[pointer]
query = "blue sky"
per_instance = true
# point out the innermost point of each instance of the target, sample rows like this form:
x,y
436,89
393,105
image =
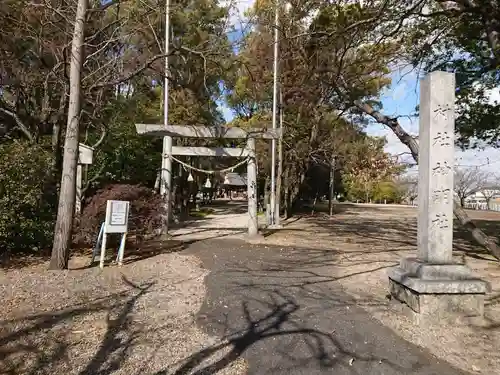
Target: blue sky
x,y
400,99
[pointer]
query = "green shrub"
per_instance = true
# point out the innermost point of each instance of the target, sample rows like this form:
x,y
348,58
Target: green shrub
x,y
27,208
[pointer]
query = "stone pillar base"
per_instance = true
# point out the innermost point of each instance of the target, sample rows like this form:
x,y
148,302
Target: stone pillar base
x,y
438,290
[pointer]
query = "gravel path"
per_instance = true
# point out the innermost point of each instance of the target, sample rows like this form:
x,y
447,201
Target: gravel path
x,y
276,310
138,319
361,242
229,219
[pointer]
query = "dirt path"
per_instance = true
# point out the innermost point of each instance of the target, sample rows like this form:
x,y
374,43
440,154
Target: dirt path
x,y
228,219
283,309
138,319
369,240
309,300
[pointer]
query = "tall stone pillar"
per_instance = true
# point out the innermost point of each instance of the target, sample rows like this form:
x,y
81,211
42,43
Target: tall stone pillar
x,y
432,283
435,168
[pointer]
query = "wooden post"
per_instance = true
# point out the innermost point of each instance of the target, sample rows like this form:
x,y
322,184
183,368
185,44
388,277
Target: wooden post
x,y
96,247
166,183
79,177
252,190
121,250
103,249
331,196
85,158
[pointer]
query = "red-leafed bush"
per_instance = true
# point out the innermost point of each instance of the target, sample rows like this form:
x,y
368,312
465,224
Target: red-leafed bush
x,y
144,215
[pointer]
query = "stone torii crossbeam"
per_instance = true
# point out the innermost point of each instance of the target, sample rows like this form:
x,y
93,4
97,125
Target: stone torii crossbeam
x,y
221,132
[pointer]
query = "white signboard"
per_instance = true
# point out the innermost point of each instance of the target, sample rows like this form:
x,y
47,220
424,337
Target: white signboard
x,y
116,217
85,154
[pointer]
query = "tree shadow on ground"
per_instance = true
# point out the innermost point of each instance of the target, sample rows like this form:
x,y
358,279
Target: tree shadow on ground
x,y
302,268
134,252
278,305
152,248
218,210
25,337
354,209
147,249
21,260
227,206
320,208
323,349
469,245
283,309
402,231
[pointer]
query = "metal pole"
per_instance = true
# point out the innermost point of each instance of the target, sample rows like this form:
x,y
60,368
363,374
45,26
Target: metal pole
x,y
275,102
166,168
280,164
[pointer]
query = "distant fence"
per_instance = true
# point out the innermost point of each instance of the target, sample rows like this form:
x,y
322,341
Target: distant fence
x,y
483,206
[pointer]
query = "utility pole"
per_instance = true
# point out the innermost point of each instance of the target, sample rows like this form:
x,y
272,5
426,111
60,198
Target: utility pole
x,y
275,104
280,164
166,161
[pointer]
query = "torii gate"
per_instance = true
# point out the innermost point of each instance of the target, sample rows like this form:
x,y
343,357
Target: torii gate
x,y
216,132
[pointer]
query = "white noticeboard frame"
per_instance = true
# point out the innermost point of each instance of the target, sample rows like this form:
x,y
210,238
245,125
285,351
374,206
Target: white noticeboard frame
x,y
116,222
116,217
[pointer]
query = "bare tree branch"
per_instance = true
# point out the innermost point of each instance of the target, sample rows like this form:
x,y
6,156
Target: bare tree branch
x,y
24,129
131,75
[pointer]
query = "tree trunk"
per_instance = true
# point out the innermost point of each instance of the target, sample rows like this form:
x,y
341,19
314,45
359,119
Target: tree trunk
x,y
56,152
266,194
280,160
175,201
278,178
459,212
294,196
62,232
314,202
488,200
477,233
157,182
286,190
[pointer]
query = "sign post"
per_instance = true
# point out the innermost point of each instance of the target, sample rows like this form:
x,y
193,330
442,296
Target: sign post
x,y
116,222
85,158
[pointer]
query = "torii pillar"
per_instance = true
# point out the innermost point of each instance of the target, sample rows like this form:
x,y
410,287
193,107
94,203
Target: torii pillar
x,y
226,133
